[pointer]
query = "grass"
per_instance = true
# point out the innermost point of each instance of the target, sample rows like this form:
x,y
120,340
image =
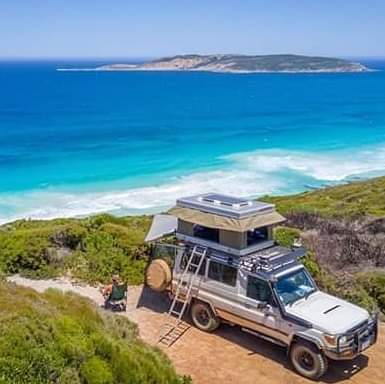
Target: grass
x,y
62,338
362,198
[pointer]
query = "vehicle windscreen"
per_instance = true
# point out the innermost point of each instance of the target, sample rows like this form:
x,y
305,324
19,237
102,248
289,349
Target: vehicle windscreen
x,y
294,286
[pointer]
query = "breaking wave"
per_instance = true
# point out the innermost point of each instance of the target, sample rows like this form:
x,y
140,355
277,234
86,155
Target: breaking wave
x,y
246,174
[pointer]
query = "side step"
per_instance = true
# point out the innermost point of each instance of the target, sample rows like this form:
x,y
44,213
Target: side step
x,y
264,337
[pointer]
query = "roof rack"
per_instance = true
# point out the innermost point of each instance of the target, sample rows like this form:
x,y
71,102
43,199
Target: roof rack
x,y
265,263
224,205
269,260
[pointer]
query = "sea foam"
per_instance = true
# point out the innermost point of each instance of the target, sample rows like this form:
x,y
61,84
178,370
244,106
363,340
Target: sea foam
x,y
246,174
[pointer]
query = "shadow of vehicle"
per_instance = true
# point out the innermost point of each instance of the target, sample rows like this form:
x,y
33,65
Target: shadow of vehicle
x,y
156,301
338,370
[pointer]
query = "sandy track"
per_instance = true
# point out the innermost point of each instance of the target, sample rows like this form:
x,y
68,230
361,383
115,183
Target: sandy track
x,y
228,355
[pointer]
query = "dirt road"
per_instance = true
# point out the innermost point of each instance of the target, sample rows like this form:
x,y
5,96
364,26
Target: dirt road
x,y
228,355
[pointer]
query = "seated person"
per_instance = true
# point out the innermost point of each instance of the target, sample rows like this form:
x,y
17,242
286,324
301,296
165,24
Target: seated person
x,y
115,294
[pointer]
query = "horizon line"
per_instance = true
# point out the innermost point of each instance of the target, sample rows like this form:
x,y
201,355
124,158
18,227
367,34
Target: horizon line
x,y
141,58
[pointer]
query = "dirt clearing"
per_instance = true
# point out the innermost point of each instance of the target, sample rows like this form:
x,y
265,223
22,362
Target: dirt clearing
x,y
227,355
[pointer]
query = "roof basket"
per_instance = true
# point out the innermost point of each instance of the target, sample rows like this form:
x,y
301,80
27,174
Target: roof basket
x,y
277,258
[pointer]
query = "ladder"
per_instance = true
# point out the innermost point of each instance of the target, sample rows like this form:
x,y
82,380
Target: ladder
x,y
174,327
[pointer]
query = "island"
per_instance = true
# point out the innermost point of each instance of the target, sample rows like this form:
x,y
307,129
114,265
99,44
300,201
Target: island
x,y
227,63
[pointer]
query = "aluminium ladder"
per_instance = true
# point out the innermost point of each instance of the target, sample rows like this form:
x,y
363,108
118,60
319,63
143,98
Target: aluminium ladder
x,y
174,327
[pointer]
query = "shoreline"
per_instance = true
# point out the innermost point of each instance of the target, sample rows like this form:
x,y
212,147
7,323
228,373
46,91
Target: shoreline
x,y
132,212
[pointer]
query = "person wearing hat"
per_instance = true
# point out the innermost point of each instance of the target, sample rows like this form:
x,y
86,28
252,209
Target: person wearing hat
x,y
108,290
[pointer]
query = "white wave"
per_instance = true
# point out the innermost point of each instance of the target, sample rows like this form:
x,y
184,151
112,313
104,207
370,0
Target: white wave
x,y
46,205
245,174
325,166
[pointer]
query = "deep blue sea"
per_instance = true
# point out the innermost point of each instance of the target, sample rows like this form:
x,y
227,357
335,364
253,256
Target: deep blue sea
x,y
76,143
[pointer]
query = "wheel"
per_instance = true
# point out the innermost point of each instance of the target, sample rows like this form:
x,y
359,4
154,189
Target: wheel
x,y
203,317
308,360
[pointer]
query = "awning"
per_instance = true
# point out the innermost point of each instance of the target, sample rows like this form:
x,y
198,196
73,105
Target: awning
x,y
221,222
161,225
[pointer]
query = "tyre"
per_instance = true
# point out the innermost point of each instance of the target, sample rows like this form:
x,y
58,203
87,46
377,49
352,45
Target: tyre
x,y
308,360
158,275
203,317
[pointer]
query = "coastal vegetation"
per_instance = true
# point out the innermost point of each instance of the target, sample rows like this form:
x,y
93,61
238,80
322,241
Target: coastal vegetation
x,y
63,338
353,200
343,227
90,249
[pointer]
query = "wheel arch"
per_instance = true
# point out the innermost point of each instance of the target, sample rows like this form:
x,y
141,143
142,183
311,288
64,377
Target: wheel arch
x,y
298,337
199,300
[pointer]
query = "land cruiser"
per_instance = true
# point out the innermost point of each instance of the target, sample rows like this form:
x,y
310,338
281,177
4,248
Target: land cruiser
x,y
227,268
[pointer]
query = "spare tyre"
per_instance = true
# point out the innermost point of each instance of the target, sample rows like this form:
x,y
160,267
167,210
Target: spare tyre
x,y
158,275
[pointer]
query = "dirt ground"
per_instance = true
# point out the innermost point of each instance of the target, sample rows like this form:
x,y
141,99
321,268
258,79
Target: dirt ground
x,y
227,355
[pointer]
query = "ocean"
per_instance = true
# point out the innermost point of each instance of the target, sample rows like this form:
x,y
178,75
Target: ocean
x,y
78,143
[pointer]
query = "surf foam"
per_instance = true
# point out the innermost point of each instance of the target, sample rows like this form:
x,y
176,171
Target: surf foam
x,y
244,174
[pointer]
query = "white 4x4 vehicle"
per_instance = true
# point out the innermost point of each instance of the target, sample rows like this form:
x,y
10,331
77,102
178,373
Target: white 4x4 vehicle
x,y
228,269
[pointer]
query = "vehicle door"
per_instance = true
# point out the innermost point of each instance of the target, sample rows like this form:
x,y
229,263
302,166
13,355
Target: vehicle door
x,y
259,308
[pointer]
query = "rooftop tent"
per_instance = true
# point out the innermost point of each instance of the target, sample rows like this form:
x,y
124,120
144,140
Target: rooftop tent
x,y
211,220
161,225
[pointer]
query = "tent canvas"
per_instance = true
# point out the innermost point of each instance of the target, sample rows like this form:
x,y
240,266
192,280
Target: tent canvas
x,y
227,223
162,225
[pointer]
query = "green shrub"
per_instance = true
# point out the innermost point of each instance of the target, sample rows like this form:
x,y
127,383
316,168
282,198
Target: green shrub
x,y
63,338
91,249
96,371
285,236
24,250
374,285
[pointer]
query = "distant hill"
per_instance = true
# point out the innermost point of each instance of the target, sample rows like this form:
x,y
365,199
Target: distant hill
x,y
243,64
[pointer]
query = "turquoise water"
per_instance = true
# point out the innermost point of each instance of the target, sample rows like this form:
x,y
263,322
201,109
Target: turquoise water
x,y
75,143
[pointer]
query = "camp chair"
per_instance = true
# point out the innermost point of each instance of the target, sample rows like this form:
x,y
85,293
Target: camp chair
x,y
117,301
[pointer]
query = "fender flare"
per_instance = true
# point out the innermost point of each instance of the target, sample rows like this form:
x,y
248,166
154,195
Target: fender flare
x,y
301,336
195,299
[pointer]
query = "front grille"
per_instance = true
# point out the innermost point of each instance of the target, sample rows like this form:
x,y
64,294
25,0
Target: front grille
x,y
356,336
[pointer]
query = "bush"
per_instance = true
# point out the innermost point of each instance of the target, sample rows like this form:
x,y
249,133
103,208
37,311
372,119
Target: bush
x,y
62,338
92,249
285,236
374,285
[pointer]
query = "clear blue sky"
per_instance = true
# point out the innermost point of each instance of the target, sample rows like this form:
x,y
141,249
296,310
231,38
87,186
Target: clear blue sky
x,y
148,28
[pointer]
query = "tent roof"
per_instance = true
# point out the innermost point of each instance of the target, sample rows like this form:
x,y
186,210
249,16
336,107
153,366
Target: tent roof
x,y
161,225
227,223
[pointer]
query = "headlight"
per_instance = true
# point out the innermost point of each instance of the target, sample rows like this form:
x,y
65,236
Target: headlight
x,y
331,340
343,340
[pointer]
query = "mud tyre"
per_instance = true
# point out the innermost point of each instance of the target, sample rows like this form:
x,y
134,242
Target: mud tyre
x,y
203,317
158,275
308,360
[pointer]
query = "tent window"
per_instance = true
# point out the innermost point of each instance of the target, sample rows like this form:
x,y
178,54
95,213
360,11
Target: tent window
x,y
257,235
206,233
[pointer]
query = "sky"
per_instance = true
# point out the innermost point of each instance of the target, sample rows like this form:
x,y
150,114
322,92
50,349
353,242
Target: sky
x,y
153,28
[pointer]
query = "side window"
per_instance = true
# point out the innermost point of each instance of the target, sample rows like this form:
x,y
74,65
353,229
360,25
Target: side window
x,y
223,273
259,290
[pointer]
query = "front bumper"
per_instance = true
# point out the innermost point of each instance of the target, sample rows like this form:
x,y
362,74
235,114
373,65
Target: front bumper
x,y
356,341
